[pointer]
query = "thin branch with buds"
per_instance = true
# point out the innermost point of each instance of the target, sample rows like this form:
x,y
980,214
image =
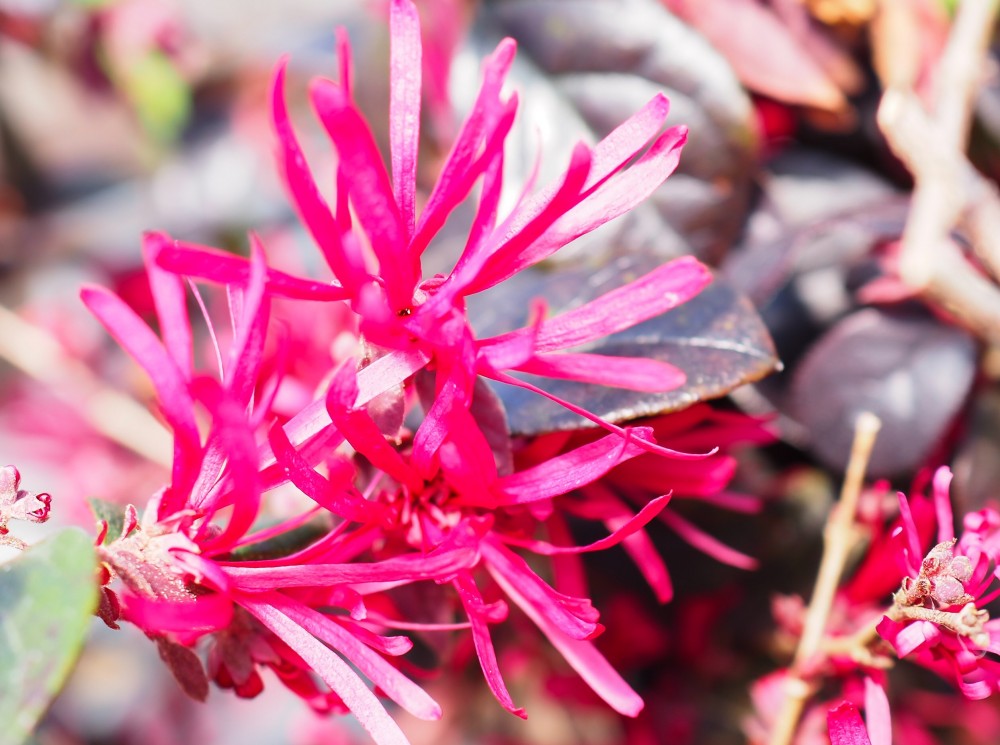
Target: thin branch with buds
x,y
839,538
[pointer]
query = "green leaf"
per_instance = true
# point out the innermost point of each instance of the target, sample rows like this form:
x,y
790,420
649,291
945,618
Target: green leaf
x,y
47,598
111,513
160,95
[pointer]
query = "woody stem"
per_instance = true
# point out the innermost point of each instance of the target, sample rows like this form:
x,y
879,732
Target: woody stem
x,y
839,538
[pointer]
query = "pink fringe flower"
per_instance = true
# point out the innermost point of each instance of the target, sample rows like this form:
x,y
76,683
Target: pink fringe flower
x,y
455,500
411,322
177,563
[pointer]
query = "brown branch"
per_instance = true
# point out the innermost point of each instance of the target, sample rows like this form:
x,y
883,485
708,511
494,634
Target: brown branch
x,y
839,537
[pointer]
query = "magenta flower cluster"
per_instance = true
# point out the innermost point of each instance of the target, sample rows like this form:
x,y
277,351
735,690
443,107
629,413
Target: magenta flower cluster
x,y
399,443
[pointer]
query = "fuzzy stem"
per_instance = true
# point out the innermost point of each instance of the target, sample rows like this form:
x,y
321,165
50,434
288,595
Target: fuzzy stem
x,y
839,537
969,621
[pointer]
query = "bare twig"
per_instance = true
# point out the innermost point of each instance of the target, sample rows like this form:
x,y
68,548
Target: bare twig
x,y
957,191
859,646
839,538
948,189
960,70
970,621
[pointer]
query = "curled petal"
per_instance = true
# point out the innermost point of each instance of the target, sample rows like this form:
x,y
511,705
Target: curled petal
x,y
563,473
213,265
580,654
619,534
402,568
474,606
846,727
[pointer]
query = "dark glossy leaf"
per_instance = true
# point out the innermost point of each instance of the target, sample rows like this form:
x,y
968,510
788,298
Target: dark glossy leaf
x,y
47,598
977,461
716,338
604,61
913,371
285,543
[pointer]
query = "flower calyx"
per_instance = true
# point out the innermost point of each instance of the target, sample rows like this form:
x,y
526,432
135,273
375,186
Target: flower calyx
x,y
941,580
19,504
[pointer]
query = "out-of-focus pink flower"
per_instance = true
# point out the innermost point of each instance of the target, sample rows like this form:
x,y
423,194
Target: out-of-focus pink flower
x,y
846,727
611,498
824,722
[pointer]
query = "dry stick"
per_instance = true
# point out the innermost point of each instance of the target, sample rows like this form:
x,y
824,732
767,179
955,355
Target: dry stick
x,y
857,646
960,70
839,537
113,414
947,187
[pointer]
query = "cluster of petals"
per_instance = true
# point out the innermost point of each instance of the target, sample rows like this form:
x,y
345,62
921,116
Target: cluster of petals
x,y
450,497
373,240
639,481
179,565
955,582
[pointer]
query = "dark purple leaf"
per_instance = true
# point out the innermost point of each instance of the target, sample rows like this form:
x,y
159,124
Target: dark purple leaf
x,y
977,461
717,338
779,54
816,211
186,667
911,370
809,243
604,63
